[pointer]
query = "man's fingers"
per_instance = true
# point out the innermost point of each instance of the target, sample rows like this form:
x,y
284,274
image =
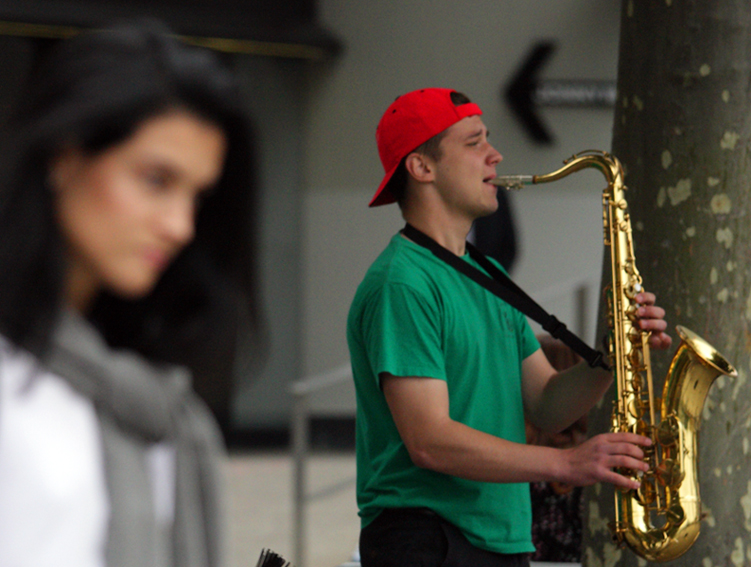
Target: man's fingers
x,y
622,461
651,313
625,437
620,480
660,340
645,298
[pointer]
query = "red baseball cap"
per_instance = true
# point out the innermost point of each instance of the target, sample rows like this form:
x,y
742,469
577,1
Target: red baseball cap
x,y
411,120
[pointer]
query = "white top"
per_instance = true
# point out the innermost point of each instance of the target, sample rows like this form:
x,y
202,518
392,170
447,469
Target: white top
x,y
54,507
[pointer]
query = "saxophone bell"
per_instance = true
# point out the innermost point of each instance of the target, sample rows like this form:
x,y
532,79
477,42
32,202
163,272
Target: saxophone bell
x,y
665,525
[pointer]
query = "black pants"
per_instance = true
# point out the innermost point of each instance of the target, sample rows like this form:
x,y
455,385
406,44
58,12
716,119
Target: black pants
x,y
418,537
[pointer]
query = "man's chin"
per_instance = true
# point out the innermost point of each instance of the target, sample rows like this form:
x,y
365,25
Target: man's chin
x,y
489,210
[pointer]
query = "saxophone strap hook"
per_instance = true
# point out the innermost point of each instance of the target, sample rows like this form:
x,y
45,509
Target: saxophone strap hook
x,y
558,330
599,361
555,327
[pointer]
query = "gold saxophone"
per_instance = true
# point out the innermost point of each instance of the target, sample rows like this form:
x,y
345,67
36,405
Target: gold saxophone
x,y
660,520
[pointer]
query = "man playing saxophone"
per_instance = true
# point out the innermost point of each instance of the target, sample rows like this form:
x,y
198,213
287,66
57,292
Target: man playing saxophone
x,y
445,372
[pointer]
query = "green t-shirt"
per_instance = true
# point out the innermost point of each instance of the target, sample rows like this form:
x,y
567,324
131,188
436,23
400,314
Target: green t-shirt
x,y
414,315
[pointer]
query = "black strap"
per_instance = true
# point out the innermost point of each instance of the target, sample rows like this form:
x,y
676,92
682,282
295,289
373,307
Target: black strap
x,y
501,285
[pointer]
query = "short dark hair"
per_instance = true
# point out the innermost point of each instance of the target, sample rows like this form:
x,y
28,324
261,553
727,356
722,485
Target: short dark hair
x,y
93,91
432,148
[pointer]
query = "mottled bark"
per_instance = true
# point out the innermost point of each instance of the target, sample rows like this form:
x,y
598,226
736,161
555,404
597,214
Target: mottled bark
x,y
683,132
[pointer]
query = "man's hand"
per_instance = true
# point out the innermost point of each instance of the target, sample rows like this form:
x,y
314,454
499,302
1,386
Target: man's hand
x,y
652,318
594,460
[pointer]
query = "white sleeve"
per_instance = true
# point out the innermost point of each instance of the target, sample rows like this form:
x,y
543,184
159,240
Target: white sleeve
x,y
53,499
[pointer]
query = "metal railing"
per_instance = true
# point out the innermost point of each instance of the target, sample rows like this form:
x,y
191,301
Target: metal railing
x,y
302,392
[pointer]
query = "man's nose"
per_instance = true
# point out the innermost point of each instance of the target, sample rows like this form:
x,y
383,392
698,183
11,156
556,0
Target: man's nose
x,y
495,156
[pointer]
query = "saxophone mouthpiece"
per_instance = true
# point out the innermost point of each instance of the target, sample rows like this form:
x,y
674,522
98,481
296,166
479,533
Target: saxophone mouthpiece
x,y
513,182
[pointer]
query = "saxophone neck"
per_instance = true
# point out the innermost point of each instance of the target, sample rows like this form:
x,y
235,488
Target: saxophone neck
x,y
606,163
513,182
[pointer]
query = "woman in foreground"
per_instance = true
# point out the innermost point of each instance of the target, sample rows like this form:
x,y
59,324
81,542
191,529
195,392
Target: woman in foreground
x,y
124,263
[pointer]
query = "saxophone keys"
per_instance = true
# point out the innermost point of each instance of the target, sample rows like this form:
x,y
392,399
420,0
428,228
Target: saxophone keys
x,y
644,429
634,285
636,359
669,473
634,335
635,409
668,432
675,514
618,534
636,383
631,313
646,494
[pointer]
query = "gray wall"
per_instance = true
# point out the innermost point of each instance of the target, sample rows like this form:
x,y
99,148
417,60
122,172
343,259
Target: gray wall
x,y
275,105
391,48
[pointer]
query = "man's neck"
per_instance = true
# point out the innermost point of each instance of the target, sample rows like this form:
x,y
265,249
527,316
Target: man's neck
x,y
449,232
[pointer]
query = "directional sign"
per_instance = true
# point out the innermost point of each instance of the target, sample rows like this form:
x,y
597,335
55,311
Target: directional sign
x,y
525,93
573,93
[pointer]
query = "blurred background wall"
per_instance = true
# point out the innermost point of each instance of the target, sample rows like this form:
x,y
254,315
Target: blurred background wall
x,y
315,113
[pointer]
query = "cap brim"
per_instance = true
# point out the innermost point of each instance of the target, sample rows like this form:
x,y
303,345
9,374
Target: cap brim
x,y
383,195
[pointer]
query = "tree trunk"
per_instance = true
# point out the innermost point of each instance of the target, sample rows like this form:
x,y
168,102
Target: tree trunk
x,y
682,130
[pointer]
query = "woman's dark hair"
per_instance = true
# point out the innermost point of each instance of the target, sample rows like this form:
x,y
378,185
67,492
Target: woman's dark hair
x,y
93,91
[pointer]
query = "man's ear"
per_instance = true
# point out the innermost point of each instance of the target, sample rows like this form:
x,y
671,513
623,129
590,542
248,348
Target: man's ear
x,y
420,167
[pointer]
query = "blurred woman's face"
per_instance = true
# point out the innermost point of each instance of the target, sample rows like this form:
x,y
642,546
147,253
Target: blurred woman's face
x,y
127,211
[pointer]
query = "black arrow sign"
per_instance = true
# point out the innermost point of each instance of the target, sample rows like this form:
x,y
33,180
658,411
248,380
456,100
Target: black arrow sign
x,y
526,92
519,93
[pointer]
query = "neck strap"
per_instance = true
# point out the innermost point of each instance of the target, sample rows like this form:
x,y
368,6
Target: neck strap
x,y
498,283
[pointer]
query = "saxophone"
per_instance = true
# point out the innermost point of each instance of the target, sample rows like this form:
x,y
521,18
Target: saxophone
x,y
660,520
